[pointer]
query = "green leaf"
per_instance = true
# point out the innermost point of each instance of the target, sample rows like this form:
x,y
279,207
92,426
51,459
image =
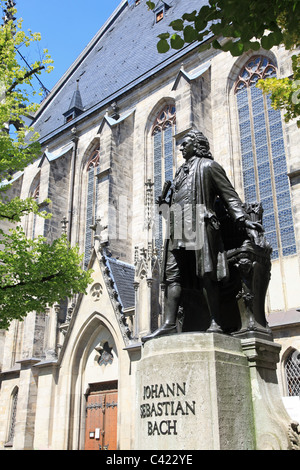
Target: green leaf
x,y
236,33
278,37
204,47
189,34
164,36
267,42
163,46
200,23
237,49
216,44
151,5
177,25
176,42
204,12
189,16
227,31
216,28
255,46
227,46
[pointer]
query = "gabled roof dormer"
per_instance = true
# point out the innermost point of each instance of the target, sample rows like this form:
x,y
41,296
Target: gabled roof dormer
x,y
76,106
160,10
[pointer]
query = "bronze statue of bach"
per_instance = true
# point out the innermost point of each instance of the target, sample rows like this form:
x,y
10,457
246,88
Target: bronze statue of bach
x,y
194,248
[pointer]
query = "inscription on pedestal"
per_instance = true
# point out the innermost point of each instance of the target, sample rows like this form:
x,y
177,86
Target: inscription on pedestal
x,y
194,393
161,406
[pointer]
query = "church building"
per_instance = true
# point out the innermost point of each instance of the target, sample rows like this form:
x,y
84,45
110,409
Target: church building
x,y
110,131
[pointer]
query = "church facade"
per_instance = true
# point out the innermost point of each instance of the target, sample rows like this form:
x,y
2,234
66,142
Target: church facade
x,y
110,132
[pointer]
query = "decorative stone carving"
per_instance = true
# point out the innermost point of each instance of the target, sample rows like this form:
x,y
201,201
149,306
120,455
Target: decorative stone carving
x,y
146,285
99,240
149,204
113,294
253,263
105,356
294,435
64,223
70,312
96,291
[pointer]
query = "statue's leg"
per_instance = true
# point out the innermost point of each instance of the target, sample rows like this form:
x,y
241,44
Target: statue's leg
x,y
172,299
212,296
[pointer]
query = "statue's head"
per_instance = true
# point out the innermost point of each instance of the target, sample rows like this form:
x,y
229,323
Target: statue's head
x,y
201,144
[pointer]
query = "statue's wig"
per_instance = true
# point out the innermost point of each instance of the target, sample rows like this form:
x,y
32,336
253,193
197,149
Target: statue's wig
x,y
201,144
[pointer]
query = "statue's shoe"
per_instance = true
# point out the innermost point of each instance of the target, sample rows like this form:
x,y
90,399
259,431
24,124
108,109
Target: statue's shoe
x,y
166,329
214,328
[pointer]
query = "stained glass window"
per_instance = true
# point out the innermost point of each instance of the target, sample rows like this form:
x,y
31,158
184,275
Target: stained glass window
x,y
163,130
91,203
263,156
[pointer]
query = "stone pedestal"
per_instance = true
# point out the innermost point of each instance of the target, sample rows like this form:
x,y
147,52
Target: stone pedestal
x,y
193,392
274,429
206,391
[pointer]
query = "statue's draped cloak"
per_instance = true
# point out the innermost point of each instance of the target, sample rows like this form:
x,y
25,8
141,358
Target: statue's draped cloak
x,y
208,181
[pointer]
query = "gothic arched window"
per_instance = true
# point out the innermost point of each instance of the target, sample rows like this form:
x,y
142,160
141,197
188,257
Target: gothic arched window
x,y
92,170
263,156
35,196
292,373
163,130
12,417
32,219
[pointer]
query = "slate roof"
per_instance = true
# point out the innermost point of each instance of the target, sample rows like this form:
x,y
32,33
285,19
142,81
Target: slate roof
x,y
121,55
123,276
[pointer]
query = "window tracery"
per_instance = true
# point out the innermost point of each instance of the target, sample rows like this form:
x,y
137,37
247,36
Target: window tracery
x,y
256,69
12,419
163,130
92,170
32,218
94,160
166,117
35,196
263,155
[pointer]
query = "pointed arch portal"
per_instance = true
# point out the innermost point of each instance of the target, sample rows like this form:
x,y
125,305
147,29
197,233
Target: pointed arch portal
x,y
94,387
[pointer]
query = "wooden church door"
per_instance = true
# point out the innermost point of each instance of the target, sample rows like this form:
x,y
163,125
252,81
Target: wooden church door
x,y
101,417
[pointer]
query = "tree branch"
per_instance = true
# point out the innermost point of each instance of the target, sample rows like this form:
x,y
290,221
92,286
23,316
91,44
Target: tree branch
x,y
11,217
31,281
27,75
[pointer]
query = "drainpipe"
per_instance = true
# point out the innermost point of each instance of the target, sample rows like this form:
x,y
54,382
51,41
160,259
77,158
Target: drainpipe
x,y
75,139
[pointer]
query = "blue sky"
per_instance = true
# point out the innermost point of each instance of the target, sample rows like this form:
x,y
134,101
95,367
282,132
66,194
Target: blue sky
x,y
66,26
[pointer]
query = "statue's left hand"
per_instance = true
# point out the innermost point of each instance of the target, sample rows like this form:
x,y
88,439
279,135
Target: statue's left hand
x,y
253,226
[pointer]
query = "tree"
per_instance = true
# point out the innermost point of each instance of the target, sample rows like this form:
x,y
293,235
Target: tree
x,y
33,272
241,25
